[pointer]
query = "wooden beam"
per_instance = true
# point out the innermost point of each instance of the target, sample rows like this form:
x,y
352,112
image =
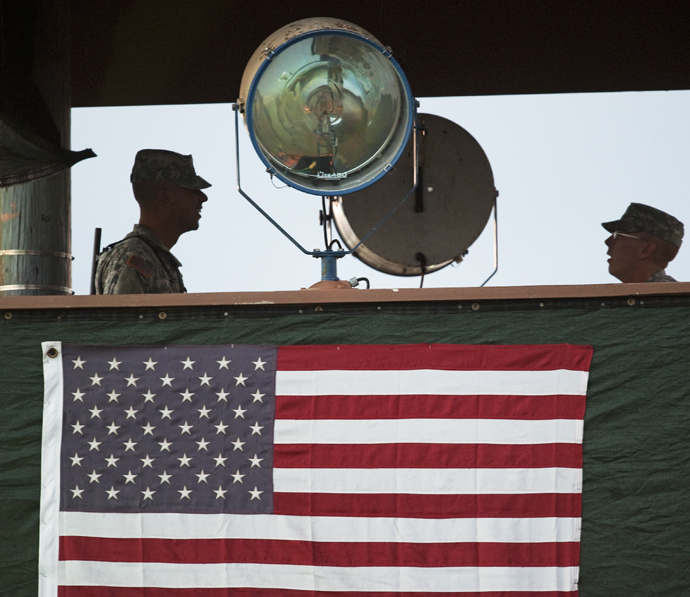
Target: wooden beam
x,y
353,296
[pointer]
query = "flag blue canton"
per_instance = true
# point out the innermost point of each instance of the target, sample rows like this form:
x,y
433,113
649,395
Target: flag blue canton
x,y
168,429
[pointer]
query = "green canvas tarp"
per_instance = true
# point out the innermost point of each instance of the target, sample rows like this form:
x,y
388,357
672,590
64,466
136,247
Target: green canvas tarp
x,y
636,486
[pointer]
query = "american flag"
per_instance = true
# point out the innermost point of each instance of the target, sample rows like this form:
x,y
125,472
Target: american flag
x,y
312,470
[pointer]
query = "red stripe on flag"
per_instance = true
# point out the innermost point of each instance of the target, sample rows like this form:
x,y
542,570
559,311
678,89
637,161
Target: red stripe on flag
x,y
242,592
430,407
318,553
434,356
427,456
531,505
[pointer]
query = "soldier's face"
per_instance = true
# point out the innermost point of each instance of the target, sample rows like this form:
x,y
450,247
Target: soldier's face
x,y
625,254
186,205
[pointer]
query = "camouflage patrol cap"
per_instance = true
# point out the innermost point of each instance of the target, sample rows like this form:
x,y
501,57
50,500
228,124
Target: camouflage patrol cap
x,y
643,218
161,164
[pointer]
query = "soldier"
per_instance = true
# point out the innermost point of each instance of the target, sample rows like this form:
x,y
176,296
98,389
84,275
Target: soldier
x,y
642,244
168,191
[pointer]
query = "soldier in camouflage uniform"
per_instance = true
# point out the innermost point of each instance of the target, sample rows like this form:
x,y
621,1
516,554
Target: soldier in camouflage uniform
x,y
170,199
642,244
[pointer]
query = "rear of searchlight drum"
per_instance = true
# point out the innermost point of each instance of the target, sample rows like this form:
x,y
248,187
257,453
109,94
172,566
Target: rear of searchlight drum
x,y
451,207
328,109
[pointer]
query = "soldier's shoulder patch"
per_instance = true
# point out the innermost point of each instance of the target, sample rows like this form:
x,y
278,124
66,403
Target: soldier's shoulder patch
x,y
137,263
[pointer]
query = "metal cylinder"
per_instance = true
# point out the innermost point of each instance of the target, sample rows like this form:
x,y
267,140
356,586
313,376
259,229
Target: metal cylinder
x,y
35,236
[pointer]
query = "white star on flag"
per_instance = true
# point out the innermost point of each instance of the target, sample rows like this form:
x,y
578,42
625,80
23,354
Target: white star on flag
x,y
148,396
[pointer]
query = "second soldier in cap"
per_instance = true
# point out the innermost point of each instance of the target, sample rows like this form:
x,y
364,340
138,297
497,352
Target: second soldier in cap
x,y
642,243
168,191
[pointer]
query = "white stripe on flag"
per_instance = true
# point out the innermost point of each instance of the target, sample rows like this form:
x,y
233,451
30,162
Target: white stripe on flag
x,y
431,381
428,481
317,578
428,431
50,464
326,528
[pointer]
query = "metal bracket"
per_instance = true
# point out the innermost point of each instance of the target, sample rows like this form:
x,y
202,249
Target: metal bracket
x,y
495,240
9,287
35,252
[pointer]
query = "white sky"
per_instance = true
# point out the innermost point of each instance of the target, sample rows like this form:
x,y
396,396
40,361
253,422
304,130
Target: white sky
x,y
562,164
